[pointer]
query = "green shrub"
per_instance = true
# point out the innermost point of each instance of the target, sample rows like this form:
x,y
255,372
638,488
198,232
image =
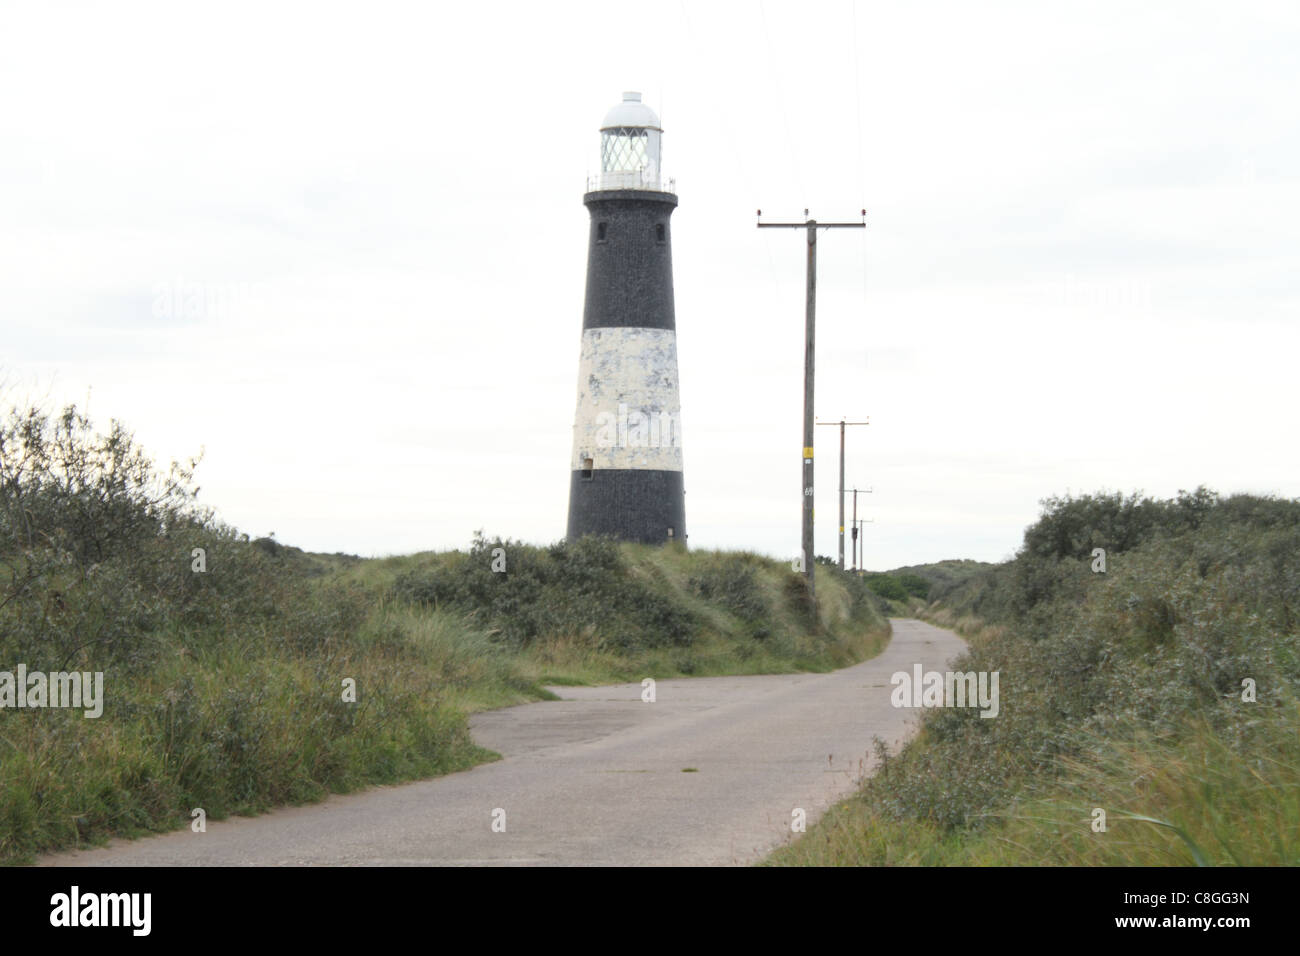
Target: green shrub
x,y
221,688
887,586
1199,594
569,587
732,581
914,585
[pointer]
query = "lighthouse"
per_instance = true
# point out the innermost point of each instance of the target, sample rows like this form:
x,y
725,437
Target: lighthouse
x,y
627,446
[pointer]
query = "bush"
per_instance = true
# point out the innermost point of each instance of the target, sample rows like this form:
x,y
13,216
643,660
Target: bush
x,y
1199,593
915,585
731,581
221,689
569,587
887,586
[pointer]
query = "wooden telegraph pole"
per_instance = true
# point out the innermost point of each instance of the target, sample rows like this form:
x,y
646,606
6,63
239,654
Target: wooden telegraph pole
x,y
810,327
856,491
862,545
842,423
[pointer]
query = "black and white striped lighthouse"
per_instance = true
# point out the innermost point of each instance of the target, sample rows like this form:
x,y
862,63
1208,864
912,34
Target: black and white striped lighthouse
x,y
627,448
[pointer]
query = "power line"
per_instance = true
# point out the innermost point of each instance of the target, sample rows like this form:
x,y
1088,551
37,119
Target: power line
x,y
785,112
857,89
729,131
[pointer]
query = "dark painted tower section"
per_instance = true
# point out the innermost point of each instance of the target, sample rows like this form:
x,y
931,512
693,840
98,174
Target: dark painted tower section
x,y
627,458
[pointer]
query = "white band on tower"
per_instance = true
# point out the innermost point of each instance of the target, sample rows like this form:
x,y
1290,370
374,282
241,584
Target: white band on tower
x,y
629,412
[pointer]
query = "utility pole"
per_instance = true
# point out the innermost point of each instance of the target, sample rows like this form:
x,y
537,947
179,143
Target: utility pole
x,y
810,327
865,491
860,523
842,423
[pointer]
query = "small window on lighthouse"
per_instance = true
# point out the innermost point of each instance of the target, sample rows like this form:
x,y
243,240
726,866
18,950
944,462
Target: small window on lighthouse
x,y
600,231
659,232
587,465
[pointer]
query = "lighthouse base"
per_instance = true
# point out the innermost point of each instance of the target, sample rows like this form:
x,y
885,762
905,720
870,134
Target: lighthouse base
x,y
641,505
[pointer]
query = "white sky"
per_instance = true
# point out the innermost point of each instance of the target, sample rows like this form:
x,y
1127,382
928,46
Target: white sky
x,y
1080,269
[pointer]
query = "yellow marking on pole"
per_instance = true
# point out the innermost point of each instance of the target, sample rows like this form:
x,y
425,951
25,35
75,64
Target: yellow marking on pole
x,y
807,453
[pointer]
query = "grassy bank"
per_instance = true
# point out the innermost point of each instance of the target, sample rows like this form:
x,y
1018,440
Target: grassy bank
x,y
1125,691
596,611
243,674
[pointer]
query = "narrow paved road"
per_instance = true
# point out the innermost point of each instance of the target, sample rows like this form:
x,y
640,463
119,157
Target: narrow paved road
x,y
707,774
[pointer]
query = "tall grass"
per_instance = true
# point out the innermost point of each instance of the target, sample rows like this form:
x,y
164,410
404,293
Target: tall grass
x,y
1186,802
1121,692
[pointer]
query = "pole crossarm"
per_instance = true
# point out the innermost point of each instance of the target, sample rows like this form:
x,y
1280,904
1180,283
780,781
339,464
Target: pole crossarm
x,y
813,223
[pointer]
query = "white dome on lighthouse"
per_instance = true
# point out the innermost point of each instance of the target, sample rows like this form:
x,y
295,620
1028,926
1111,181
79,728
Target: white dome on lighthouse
x,y
631,113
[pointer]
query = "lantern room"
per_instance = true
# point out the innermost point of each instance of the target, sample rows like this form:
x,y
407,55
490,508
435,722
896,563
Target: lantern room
x,y
630,140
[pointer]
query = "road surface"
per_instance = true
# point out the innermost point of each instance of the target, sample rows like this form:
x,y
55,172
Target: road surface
x,y
708,774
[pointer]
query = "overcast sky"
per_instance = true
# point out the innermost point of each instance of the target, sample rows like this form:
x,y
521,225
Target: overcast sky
x,y
1080,269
